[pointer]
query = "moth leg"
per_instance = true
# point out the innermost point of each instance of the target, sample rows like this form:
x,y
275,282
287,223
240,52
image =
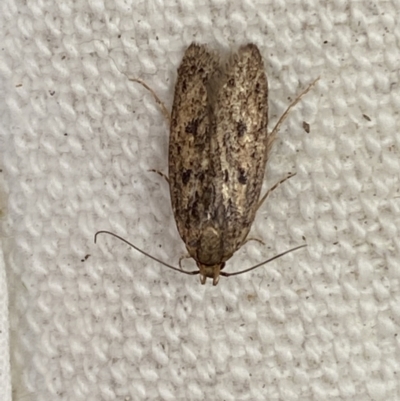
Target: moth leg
x,y
156,98
253,239
159,173
273,133
272,188
187,256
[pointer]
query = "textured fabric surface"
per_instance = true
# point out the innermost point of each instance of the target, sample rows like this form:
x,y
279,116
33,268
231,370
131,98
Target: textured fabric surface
x,y
5,382
102,322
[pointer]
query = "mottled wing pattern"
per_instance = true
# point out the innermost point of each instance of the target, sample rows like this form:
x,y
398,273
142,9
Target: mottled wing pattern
x,y
189,145
239,138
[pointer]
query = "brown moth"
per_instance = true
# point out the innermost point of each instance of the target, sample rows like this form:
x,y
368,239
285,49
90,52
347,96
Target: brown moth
x,y
218,149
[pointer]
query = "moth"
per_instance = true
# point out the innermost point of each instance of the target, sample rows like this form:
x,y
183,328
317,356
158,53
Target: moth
x,y
218,150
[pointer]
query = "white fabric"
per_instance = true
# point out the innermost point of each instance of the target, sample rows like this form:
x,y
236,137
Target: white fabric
x,y
5,379
78,141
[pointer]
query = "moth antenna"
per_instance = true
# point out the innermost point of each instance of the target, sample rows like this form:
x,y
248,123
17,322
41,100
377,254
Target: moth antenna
x,y
192,273
225,274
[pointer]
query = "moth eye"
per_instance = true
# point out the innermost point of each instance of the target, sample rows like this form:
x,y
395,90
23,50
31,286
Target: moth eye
x,y
242,176
186,176
231,82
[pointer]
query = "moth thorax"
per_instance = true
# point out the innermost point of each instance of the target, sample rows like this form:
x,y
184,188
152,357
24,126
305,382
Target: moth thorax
x,y
210,247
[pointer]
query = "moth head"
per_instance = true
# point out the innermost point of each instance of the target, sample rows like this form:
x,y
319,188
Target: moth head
x,y
212,271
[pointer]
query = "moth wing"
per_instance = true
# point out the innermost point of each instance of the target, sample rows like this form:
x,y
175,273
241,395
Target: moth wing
x,y
217,150
238,147
189,145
